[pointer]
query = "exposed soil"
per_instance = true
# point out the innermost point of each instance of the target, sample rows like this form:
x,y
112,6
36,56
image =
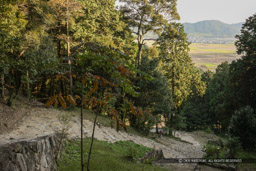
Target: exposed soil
x,y
39,121
10,116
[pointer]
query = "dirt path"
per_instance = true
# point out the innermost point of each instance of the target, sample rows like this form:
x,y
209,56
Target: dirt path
x,y
42,121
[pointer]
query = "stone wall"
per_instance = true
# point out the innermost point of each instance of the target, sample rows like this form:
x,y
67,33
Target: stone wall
x,y
31,155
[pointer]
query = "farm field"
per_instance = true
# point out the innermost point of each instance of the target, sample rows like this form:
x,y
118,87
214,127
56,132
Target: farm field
x,y
209,56
212,48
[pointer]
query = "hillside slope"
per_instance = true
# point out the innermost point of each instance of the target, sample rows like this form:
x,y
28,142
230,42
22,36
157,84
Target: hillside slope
x,y
212,29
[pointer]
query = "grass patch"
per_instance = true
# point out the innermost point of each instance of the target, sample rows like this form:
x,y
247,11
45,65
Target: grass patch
x,y
106,156
207,65
246,155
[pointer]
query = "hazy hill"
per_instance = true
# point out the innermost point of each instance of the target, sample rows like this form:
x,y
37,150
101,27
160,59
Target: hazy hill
x,y
209,31
212,29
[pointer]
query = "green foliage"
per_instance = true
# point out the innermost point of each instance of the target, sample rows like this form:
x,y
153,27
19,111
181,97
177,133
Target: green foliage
x,y
193,115
184,80
132,153
246,41
179,122
228,149
233,145
106,156
154,94
147,16
211,150
217,96
243,125
241,86
177,64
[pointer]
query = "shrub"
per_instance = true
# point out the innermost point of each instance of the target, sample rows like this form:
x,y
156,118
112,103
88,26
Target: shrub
x,y
211,150
243,125
133,152
233,145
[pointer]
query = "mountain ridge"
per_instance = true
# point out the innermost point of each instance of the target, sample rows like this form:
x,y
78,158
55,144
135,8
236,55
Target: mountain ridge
x,y
212,29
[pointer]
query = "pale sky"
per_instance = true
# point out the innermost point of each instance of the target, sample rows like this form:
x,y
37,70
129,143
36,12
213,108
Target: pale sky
x,y
228,11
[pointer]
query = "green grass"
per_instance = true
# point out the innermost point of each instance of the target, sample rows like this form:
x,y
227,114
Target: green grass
x,y
208,65
106,156
246,155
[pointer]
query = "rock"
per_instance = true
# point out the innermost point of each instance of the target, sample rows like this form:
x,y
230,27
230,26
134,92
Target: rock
x,y
153,156
31,155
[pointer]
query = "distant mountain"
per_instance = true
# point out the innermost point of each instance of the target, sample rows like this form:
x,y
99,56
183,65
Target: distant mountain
x,y
208,31
212,29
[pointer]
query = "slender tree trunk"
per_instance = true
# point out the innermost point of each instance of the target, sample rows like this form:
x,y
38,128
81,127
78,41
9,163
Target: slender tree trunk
x,y
27,82
157,127
82,125
68,48
90,151
139,54
2,82
173,82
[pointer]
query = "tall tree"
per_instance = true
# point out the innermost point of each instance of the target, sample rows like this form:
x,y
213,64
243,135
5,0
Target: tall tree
x,y
246,40
23,31
241,87
196,109
148,16
177,65
217,96
154,94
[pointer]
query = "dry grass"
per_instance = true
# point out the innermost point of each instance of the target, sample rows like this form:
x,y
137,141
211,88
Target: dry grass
x,y
212,48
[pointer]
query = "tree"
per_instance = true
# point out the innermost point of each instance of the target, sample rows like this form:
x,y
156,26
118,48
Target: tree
x,y
177,66
243,125
12,22
247,40
154,94
242,89
218,94
196,109
23,37
147,16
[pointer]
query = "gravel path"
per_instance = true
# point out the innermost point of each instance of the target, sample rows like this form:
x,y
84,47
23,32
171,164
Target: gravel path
x,y
42,121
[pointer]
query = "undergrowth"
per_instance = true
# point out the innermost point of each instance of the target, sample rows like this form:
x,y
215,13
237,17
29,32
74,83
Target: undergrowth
x,y
122,155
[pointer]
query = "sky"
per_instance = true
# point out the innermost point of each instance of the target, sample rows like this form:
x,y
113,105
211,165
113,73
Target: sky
x,y
228,11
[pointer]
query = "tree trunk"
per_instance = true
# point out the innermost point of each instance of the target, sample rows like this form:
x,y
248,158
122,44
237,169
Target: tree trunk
x,y
27,82
139,54
90,151
2,82
173,84
82,125
156,126
68,48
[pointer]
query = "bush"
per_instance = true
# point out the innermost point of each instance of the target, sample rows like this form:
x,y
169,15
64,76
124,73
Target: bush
x,y
243,126
211,150
133,152
233,145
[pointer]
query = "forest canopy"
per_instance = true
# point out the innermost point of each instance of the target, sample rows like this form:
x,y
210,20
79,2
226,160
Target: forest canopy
x,y
93,54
